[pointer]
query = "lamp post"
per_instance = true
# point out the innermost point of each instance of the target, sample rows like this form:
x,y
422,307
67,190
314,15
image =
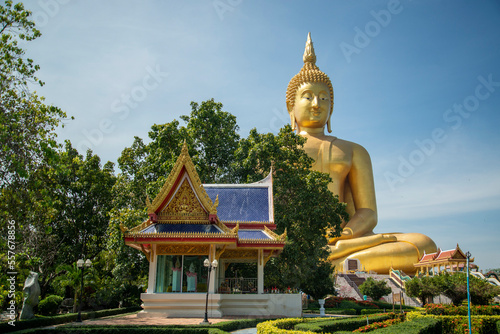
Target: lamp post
x,y
82,264
210,266
468,289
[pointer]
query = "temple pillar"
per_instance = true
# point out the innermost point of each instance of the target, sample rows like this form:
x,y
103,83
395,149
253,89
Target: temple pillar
x,y
260,271
152,270
213,274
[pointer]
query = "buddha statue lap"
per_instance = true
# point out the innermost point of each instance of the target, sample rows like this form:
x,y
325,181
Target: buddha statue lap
x,y
310,104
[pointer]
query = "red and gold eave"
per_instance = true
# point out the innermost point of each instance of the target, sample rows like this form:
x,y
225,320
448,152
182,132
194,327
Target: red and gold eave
x,y
182,200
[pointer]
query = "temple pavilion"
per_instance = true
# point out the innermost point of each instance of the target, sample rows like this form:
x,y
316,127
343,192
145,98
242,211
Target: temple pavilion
x,y
190,222
449,260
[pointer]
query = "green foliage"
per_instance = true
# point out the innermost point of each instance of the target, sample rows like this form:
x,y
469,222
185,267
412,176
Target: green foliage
x,y
374,289
459,324
422,288
283,326
417,326
443,309
49,305
341,324
303,206
454,286
61,319
213,135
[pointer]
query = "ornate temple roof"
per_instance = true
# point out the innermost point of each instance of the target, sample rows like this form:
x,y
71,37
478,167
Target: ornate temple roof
x,y
452,255
187,212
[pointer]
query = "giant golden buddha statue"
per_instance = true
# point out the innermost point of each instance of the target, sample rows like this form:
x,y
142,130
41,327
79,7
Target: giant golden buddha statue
x,y
309,100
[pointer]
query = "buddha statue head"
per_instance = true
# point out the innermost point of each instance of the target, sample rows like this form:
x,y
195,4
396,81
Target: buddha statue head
x,y
309,96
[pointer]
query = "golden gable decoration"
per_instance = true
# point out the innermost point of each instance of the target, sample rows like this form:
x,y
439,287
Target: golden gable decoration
x,y
183,164
184,205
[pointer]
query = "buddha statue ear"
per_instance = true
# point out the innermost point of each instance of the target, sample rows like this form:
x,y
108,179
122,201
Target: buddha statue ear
x,y
293,123
328,124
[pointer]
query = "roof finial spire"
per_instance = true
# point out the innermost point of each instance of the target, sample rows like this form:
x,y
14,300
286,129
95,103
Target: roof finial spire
x,y
309,55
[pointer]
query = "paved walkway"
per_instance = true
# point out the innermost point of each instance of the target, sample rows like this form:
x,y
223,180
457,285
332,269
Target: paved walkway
x,y
133,319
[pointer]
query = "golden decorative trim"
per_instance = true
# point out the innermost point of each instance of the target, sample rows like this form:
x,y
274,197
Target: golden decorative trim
x,y
123,228
247,222
220,252
236,228
282,237
178,222
183,249
180,234
260,241
145,253
183,161
267,258
140,227
240,254
184,205
276,237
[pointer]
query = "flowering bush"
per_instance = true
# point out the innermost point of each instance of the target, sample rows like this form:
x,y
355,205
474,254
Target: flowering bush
x,y
377,325
439,309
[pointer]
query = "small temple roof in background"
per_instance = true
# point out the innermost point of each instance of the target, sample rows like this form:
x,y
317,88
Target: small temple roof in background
x,y
455,255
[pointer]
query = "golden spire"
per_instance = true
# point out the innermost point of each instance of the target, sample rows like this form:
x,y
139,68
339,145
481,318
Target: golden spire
x,y
309,55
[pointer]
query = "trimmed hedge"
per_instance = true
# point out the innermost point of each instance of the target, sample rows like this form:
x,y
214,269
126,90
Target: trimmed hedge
x,y
124,330
345,311
61,319
498,327
342,324
218,328
459,324
49,305
417,326
373,311
283,326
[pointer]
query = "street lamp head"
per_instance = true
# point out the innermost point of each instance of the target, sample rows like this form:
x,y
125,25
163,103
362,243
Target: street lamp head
x,y
88,263
206,263
215,263
80,263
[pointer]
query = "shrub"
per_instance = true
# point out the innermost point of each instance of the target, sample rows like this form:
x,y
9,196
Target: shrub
x,y
374,289
282,326
344,324
439,309
61,319
417,326
376,325
459,324
49,305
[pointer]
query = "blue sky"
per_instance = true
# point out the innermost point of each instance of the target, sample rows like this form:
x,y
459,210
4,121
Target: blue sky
x,y
417,83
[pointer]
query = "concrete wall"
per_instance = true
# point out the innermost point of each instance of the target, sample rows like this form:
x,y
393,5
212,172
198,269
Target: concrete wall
x,y
189,305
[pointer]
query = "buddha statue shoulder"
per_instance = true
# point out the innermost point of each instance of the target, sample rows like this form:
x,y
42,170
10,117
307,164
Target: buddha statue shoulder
x,y
309,100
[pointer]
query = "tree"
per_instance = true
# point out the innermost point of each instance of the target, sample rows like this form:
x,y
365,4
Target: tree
x,y
453,286
303,206
71,200
211,135
374,289
214,136
26,123
422,288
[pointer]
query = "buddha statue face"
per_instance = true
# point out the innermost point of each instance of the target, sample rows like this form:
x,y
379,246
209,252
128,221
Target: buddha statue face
x,y
309,96
312,105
